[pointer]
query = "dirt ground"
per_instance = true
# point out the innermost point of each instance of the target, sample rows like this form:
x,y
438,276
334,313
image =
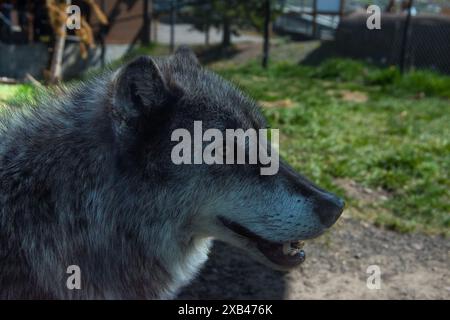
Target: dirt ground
x,y
412,266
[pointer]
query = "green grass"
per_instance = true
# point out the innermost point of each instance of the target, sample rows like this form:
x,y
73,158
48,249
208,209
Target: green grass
x,y
398,141
15,94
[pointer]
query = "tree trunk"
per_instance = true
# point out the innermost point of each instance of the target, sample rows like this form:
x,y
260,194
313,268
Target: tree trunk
x,y
226,40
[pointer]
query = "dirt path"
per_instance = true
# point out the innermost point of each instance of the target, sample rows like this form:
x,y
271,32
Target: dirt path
x,y
412,266
279,51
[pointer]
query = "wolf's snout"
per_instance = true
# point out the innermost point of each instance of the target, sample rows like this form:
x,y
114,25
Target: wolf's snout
x,y
329,208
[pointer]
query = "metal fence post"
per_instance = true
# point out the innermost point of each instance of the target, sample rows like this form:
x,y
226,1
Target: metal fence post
x,y
405,38
146,23
266,34
173,19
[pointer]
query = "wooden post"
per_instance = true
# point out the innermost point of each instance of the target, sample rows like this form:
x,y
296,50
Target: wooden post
x,y
341,8
155,21
58,52
102,37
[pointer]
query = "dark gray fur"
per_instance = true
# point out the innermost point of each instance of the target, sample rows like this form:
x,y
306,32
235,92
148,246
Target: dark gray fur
x,y
86,179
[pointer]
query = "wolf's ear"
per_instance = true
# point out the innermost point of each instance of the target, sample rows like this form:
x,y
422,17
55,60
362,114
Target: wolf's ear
x,y
185,55
140,93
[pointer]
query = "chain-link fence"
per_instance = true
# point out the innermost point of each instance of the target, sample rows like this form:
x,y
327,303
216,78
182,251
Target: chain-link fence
x,y
423,42
420,41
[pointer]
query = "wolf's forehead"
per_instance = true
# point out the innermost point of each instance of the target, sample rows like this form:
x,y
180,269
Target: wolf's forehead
x,y
206,91
220,98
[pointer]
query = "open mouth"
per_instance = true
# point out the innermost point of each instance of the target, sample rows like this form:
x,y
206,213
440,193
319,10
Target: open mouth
x,y
286,254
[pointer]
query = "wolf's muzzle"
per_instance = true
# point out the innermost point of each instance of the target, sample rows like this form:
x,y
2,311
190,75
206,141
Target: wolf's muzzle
x,y
329,208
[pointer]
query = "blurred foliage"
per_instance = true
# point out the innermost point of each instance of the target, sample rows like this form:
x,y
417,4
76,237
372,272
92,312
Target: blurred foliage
x,y
231,15
16,94
58,16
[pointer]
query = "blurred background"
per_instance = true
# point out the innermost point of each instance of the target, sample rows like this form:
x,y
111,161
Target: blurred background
x,y
362,112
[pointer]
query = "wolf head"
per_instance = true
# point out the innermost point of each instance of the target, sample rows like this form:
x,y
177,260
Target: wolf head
x,y
266,215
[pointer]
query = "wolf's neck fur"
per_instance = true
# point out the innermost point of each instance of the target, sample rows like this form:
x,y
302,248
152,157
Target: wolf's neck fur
x,y
186,266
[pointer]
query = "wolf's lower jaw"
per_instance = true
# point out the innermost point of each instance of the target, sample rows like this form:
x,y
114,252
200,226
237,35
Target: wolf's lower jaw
x,y
285,255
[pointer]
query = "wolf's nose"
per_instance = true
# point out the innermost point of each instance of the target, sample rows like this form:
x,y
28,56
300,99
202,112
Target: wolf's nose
x,y
329,209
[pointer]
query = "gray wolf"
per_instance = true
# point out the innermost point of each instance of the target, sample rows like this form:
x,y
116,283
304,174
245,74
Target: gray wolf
x,y
86,180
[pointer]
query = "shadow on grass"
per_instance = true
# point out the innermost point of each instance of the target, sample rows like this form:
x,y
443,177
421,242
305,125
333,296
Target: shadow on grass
x,y
214,53
325,51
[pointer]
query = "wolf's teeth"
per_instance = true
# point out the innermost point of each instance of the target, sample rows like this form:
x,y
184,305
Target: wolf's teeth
x,y
292,248
298,244
287,248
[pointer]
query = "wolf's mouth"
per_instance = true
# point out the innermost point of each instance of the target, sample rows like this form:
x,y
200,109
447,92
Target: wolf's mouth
x,y
287,254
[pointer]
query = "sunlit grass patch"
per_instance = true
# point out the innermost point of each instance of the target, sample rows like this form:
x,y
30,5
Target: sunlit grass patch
x,y
348,120
15,94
